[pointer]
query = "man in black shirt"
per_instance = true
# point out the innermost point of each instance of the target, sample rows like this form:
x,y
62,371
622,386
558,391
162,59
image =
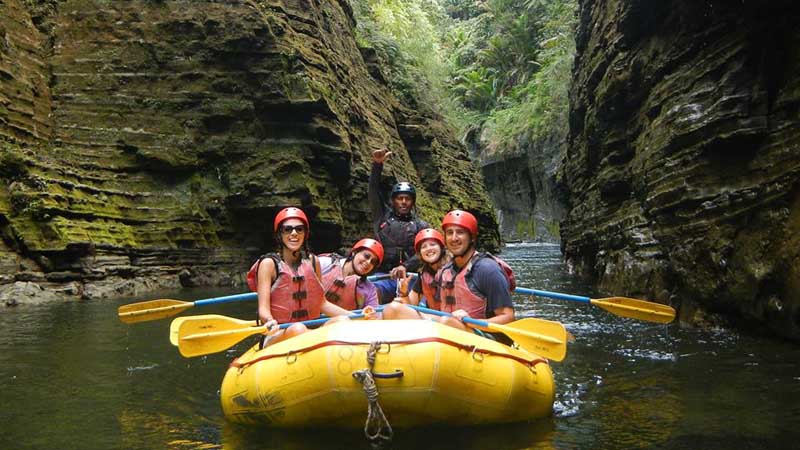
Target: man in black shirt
x,y
395,227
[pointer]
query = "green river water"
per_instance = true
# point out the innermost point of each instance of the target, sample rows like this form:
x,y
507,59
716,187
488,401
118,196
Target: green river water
x,y
73,377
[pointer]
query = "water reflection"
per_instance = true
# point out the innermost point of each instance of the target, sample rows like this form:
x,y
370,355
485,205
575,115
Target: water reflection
x,y
536,435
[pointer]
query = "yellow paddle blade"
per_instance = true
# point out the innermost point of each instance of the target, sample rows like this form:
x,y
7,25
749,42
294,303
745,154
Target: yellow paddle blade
x,y
636,309
151,310
543,337
150,304
195,339
173,329
202,324
210,323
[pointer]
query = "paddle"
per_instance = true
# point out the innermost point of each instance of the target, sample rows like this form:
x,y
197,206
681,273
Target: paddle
x,y
543,337
212,322
162,308
227,332
621,306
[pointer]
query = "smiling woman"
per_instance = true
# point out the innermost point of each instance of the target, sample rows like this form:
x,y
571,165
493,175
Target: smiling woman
x,y
429,245
344,279
288,282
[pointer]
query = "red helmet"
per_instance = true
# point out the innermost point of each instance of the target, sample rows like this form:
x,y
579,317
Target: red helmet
x,y
427,233
462,219
290,213
371,245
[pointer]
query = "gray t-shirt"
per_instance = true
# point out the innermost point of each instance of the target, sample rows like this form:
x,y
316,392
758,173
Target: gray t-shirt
x,y
488,281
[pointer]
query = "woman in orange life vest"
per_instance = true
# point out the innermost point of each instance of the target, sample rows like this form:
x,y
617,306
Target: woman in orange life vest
x,y
472,284
288,286
429,246
345,279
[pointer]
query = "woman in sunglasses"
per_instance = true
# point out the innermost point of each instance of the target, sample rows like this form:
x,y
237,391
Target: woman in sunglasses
x,y
345,279
288,283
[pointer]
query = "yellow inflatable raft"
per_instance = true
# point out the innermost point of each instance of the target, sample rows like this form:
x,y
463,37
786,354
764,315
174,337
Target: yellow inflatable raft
x,y
425,374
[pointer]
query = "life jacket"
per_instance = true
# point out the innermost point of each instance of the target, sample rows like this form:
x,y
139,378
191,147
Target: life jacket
x,y
397,237
340,290
429,286
295,295
454,291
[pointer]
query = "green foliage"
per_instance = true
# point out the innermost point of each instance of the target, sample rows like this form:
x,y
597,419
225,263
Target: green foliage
x,y
504,64
461,9
517,54
406,35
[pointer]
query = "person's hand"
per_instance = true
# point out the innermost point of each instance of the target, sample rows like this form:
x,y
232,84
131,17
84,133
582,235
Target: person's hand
x,y
460,314
380,156
272,325
398,272
369,313
402,285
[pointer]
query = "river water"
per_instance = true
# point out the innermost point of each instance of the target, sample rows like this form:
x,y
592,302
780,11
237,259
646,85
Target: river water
x,y
73,377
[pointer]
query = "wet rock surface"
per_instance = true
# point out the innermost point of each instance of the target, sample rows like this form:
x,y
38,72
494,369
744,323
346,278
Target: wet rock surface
x,y
149,144
682,166
523,187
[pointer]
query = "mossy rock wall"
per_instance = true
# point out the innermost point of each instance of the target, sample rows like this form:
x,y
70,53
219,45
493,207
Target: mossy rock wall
x,y
523,188
683,167
150,143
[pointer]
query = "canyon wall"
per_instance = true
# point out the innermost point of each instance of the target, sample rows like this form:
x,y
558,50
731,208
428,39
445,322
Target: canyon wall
x,y
149,144
682,168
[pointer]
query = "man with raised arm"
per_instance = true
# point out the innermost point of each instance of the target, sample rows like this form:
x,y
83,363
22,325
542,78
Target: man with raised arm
x,y
395,227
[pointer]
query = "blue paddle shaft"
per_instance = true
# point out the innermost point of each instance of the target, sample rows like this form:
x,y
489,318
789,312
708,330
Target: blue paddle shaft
x,y
357,314
253,296
227,299
480,323
556,295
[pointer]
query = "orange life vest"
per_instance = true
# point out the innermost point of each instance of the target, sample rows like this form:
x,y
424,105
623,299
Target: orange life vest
x,y
454,291
429,285
340,290
295,295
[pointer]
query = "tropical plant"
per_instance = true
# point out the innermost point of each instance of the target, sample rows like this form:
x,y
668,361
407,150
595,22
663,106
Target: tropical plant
x,y
503,63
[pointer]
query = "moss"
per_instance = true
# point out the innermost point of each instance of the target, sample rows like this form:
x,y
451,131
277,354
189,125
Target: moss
x,y
323,91
13,165
553,228
183,142
297,87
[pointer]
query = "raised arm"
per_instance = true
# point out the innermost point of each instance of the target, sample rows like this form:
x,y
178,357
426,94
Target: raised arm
x,y
376,204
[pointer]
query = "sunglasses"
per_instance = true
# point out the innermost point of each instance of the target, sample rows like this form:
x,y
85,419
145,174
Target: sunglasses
x,y
287,229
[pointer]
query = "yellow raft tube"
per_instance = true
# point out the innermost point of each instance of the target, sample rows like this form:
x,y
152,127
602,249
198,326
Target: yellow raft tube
x,y
435,375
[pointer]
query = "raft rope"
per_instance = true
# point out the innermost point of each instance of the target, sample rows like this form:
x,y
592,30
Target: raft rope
x,y
377,428
241,364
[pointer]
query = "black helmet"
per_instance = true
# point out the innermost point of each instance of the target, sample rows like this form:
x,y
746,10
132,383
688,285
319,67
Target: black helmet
x,y
404,187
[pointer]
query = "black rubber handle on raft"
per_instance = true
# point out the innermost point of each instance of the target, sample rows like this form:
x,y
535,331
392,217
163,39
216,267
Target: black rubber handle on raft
x,y
398,373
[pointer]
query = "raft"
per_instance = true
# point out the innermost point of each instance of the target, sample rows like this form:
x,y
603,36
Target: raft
x,y
425,373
